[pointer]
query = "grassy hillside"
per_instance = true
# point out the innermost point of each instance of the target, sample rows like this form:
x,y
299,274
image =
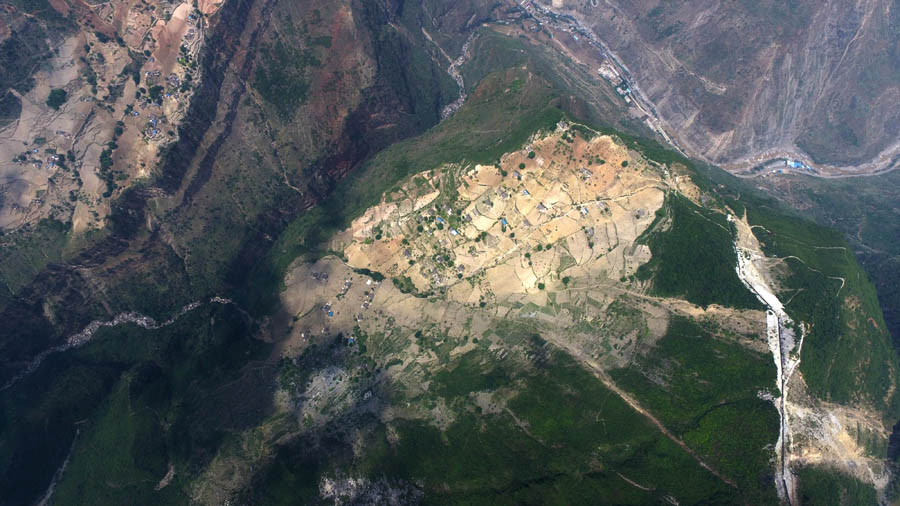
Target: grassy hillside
x,y
706,390
504,118
693,257
564,439
128,405
133,402
848,355
827,487
864,210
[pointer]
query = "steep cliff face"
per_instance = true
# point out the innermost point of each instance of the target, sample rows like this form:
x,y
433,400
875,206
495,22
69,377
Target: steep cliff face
x,y
739,80
292,97
544,292
251,155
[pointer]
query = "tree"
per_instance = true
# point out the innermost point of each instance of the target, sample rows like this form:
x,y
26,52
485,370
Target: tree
x,y
155,92
57,98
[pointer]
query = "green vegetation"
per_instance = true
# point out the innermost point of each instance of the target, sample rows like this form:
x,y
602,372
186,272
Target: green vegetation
x,y
705,390
375,275
282,75
124,446
470,373
405,285
451,141
829,487
20,52
141,400
106,173
565,440
862,208
57,98
323,41
34,28
106,159
10,108
849,357
155,93
695,258
24,253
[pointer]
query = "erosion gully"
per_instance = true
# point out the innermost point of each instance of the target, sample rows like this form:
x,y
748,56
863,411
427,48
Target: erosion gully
x,y
783,343
88,332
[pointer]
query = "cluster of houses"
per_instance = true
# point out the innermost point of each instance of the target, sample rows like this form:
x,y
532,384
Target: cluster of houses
x,y
26,157
485,208
609,72
778,166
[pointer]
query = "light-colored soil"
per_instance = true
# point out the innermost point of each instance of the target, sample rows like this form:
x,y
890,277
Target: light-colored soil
x,y
33,185
589,216
575,294
836,436
816,432
169,36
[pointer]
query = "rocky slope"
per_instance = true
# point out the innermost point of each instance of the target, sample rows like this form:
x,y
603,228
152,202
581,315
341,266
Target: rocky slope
x,y
232,178
222,186
107,98
597,305
741,83
550,239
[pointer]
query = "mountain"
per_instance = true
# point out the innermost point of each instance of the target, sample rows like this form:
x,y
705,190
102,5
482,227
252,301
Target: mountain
x,y
414,253
742,83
